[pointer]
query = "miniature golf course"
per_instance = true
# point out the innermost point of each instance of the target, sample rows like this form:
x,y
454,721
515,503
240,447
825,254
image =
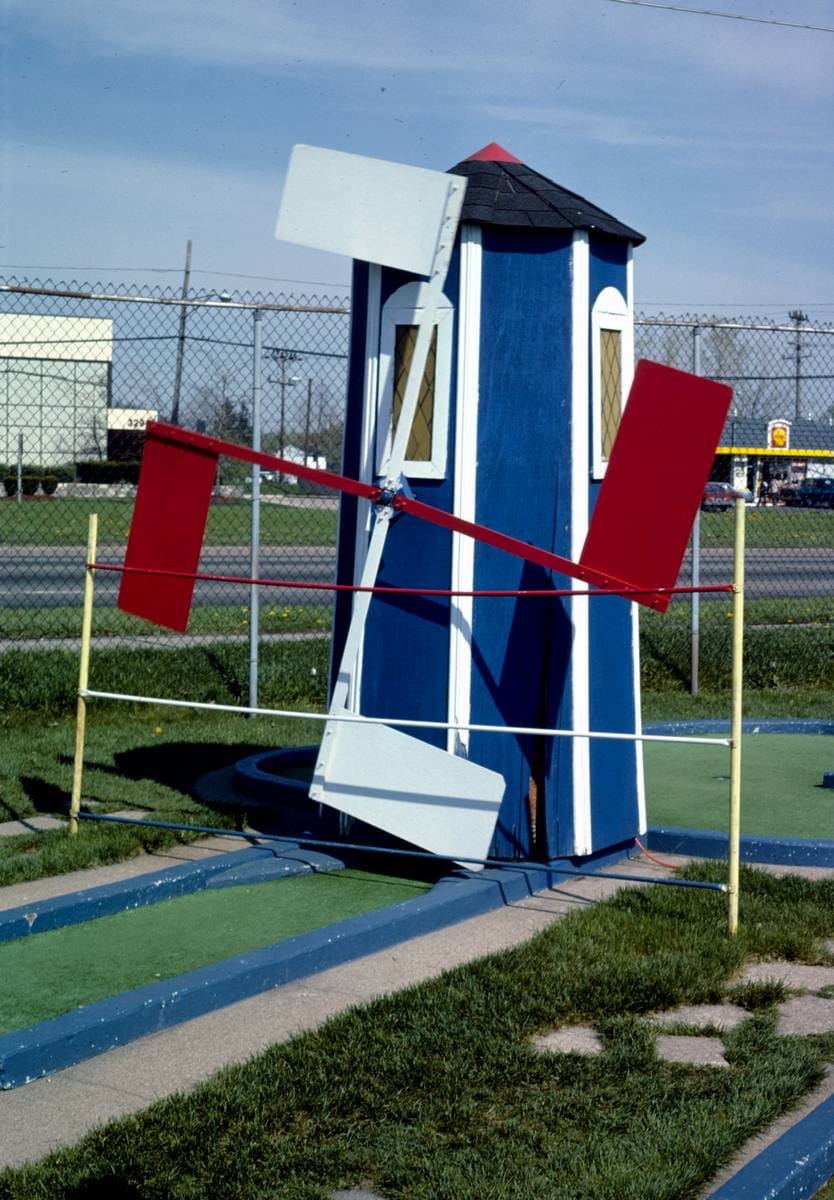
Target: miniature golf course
x,y
782,792
48,974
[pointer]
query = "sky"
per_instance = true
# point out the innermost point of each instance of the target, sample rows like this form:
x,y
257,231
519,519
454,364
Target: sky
x,y
131,126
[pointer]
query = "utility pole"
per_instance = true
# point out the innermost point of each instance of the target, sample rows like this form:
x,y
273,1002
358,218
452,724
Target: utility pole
x,y
284,381
799,318
307,420
186,279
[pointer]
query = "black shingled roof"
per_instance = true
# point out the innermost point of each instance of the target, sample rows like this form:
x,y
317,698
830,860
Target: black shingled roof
x,y
511,193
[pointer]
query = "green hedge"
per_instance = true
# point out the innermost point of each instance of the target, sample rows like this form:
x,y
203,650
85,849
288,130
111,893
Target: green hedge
x,y
107,471
774,657
45,682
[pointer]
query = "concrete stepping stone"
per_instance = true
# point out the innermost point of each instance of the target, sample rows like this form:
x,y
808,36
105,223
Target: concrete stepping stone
x,y
792,974
32,824
38,822
356,1194
570,1039
702,1016
691,1051
805,1015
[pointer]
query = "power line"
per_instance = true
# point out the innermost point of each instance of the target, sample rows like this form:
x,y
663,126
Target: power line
x,y
707,12
733,304
171,271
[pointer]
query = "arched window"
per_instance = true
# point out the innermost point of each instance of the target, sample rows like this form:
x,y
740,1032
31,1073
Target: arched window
x,y
426,451
612,366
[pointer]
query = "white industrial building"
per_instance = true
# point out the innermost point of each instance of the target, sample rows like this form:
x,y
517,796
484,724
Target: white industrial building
x,y
54,387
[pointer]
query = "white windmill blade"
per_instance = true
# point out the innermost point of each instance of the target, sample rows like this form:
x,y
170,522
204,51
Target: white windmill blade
x,y
368,209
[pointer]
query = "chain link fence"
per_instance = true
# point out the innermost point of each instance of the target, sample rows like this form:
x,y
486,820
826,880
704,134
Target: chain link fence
x,y
778,451
82,367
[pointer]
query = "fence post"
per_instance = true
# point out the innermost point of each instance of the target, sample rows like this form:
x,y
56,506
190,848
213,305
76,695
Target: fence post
x,y
255,548
695,615
734,837
20,468
83,675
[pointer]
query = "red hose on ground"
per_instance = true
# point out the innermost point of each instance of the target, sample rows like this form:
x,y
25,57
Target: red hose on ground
x,y
658,861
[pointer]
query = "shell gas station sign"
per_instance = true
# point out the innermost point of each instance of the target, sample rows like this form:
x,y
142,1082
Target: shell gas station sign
x,y
779,435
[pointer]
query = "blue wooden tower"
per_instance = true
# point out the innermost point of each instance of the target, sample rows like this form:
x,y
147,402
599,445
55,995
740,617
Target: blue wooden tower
x,y
530,363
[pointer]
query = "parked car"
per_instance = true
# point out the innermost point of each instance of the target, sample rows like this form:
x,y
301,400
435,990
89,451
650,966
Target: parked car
x,y
815,493
719,497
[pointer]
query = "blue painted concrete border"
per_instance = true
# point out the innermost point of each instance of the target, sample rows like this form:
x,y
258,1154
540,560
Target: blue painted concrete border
x,y
794,1167
52,1045
221,870
707,843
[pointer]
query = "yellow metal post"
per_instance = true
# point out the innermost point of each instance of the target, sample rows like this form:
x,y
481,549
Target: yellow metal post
x,y
735,724
83,674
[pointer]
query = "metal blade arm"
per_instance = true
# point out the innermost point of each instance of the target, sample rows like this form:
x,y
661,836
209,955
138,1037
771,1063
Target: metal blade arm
x,y
503,541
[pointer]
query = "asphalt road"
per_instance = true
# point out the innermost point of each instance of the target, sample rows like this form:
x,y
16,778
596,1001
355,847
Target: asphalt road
x,y
53,577
770,574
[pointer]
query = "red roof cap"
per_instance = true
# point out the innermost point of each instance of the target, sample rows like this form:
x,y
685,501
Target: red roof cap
x,y
492,153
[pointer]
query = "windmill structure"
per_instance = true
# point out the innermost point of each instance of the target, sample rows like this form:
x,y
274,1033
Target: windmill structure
x,y
489,449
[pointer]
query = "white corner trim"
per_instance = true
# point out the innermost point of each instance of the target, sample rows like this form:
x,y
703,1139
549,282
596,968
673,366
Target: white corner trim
x,y
640,776
580,458
642,819
630,277
611,311
466,468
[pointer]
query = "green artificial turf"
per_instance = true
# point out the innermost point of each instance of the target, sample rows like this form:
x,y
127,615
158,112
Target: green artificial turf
x,y
51,973
782,794
437,1093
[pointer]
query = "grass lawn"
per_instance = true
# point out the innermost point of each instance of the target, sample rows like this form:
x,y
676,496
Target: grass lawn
x,y
281,617
716,612
436,1093
147,762
275,616
766,528
63,521
51,973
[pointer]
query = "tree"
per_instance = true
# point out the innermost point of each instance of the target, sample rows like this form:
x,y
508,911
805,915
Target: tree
x,y
215,407
231,422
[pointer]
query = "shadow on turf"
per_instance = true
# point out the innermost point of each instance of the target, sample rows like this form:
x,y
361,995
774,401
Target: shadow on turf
x,y
44,797
177,765
104,1188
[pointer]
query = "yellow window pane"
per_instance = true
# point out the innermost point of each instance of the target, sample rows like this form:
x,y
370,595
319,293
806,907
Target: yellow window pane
x,y
611,383
419,443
